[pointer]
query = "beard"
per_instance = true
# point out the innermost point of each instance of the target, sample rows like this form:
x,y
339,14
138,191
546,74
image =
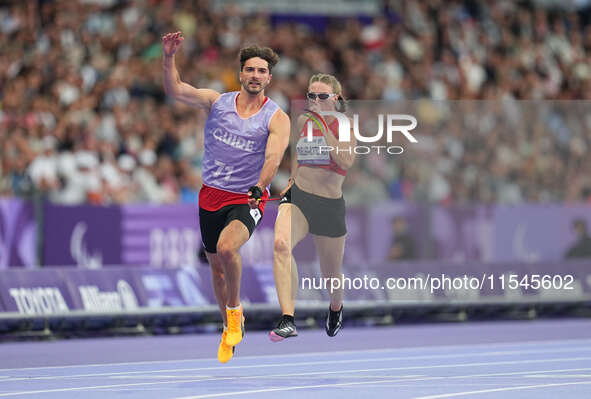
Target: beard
x,y
253,87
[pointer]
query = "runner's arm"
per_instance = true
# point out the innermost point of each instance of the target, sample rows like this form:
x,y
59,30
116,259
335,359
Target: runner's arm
x,y
276,144
173,86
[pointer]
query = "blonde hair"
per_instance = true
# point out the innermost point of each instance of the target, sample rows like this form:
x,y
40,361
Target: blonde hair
x,y
334,84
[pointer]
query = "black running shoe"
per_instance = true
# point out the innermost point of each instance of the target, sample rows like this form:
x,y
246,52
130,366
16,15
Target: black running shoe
x,y
334,321
285,329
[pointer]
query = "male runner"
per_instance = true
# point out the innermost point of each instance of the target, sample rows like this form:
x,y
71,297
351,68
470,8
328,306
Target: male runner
x,y
245,137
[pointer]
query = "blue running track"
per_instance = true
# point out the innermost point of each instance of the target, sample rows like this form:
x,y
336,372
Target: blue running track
x,y
525,360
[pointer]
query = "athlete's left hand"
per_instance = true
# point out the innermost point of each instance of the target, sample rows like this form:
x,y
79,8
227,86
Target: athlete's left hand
x,y
255,193
286,189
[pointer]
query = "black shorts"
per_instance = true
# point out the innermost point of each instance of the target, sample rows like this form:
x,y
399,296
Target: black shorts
x,y
213,222
325,216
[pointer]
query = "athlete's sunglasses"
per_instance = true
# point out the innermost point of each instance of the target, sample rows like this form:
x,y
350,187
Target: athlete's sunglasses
x,y
321,96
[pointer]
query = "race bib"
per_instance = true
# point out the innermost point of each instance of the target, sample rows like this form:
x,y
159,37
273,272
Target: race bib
x,y
313,152
256,215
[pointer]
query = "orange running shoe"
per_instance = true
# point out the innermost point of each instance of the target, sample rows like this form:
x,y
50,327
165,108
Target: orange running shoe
x,y
235,326
225,351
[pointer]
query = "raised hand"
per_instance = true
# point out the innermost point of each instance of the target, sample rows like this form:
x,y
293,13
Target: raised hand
x,y
171,43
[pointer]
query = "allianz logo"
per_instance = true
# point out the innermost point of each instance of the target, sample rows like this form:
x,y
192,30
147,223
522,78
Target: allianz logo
x,y
95,300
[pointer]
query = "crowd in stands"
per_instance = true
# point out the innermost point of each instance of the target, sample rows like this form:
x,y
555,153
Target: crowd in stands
x,y
83,115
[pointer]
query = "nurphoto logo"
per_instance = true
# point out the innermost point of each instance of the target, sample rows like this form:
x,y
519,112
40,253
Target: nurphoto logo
x,y
390,121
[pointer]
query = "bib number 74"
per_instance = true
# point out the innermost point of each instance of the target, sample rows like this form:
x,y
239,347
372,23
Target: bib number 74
x,y
223,171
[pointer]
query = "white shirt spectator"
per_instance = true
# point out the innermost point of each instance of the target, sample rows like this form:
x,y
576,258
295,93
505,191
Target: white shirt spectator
x,y
44,167
143,176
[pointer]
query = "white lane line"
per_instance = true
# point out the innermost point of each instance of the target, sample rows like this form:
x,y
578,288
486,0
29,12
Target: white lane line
x,y
547,376
101,387
316,363
283,389
159,377
505,389
16,393
88,388
322,374
545,343
515,373
310,374
398,385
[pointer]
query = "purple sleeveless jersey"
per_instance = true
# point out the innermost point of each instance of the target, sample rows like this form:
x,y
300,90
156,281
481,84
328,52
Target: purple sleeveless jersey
x,y
234,146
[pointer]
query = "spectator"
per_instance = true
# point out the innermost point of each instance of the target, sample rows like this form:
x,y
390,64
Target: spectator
x,y
582,246
403,245
81,71
43,170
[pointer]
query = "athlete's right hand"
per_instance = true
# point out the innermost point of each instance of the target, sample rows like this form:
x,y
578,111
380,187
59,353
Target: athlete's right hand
x,y
171,43
313,106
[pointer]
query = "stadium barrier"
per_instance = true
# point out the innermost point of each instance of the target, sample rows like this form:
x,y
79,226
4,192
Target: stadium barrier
x,y
140,299
491,261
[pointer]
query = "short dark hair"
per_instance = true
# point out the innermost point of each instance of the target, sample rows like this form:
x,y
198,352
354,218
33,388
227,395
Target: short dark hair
x,y
265,53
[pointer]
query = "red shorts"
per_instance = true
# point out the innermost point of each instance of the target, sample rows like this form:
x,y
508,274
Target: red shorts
x,y
213,199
